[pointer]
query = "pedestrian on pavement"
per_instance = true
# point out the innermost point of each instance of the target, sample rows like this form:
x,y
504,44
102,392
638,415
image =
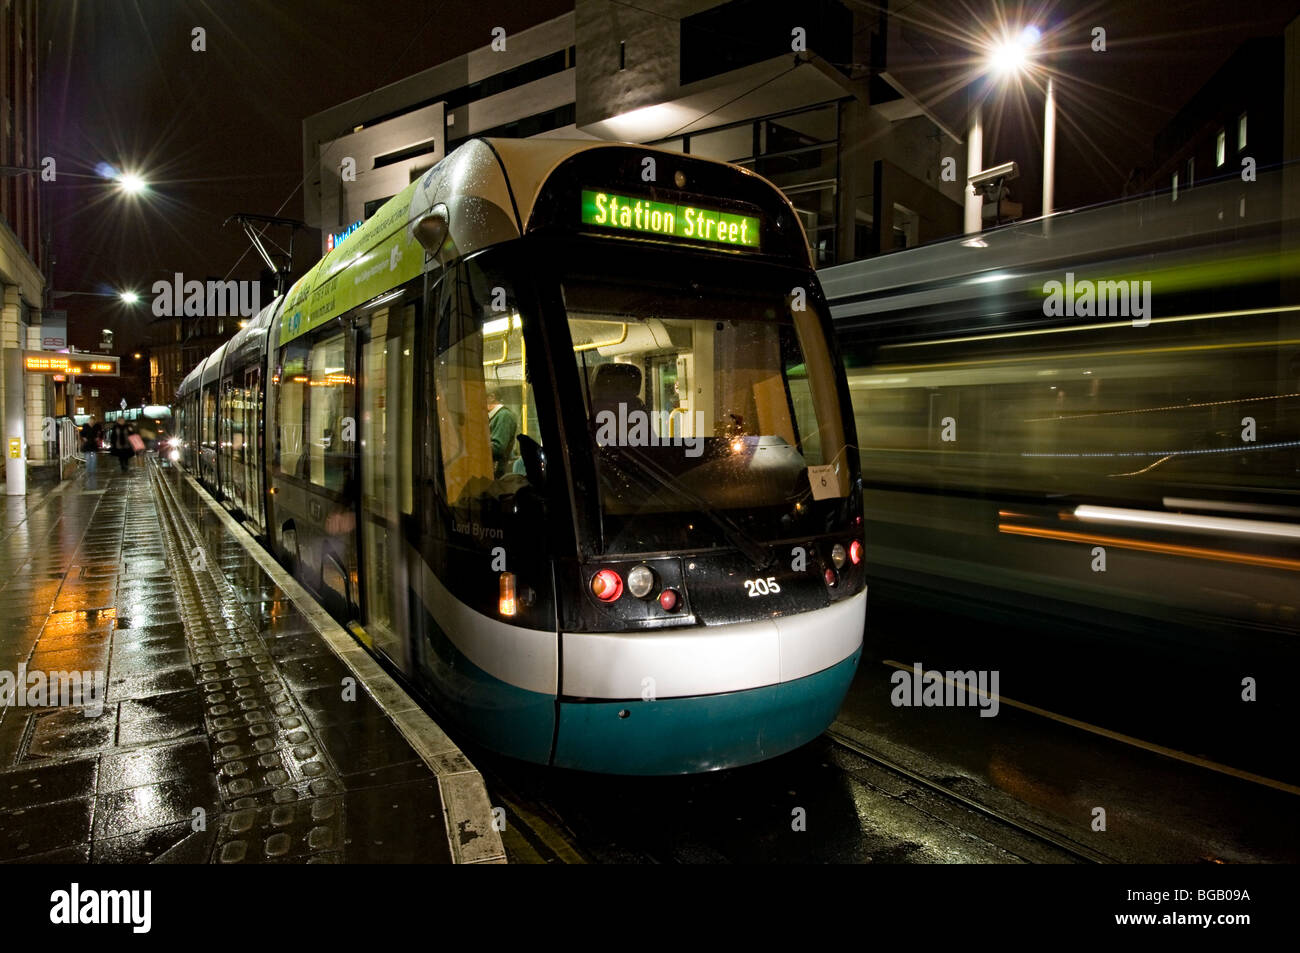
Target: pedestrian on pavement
x,y
119,444
134,438
90,447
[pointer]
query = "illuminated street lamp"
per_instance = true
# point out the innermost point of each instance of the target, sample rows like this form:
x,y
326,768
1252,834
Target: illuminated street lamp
x,y
1011,57
126,297
131,184
1012,54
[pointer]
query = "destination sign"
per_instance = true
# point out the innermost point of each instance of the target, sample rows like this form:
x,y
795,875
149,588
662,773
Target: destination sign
x,y
694,222
97,365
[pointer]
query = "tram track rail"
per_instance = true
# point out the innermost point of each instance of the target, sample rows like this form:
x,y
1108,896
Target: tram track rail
x,y
539,828
1028,829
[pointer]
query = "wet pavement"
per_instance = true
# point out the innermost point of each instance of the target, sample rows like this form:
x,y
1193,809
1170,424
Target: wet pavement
x,y
177,706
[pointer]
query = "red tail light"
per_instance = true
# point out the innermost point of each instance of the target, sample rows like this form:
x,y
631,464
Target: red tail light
x,y
607,585
855,552
830,577
668,599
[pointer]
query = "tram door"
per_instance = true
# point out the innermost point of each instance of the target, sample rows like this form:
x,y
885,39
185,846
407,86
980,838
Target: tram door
x,y
490,649
386,347
668,394
252,455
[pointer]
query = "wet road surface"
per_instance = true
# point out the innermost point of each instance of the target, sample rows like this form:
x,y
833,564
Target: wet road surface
x,y
1106,785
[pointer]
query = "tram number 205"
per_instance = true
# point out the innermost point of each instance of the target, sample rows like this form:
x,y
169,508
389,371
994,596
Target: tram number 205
x,y
762,587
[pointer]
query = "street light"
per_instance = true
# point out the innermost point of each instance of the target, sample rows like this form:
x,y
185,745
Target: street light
x,y
1012,54
131,184
1011,57
126,297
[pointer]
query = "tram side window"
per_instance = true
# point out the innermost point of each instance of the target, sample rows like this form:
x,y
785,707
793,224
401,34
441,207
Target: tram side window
x,y
226,437
239,400
482,391
1101,419
290,455
209,412
387,376
329,412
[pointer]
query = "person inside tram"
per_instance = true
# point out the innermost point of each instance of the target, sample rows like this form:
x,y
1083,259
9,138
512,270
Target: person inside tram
x,y
615,385
503,428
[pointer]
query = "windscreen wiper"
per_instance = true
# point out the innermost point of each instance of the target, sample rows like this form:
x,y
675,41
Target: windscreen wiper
x,y
756,552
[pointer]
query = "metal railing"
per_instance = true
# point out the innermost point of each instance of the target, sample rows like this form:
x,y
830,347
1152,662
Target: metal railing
x,y
69,443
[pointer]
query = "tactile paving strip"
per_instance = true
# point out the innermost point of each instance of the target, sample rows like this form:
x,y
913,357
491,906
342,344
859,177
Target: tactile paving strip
x,y
280,793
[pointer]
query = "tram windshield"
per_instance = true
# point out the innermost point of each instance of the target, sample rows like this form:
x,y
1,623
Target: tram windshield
x,y
704,399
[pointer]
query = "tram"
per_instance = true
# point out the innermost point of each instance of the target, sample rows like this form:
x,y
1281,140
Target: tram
x,y
1090,417
561,434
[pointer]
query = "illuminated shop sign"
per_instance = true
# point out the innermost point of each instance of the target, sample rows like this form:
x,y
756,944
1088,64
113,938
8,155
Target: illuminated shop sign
x,y
670,221
335,239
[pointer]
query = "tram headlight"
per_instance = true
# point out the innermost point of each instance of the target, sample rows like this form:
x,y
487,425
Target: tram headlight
x,y
640,581
838,555
607,585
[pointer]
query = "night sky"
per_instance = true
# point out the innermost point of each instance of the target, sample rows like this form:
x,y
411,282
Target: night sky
x,y
215,132
220,131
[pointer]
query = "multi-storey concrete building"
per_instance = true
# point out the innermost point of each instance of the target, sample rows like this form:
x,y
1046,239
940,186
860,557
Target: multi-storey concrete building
x,y
801,93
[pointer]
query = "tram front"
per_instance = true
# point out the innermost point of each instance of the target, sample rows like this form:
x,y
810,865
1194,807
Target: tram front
x,y
711,612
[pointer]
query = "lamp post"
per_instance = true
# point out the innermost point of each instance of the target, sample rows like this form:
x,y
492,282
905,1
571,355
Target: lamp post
x,y
1049,148
1007,58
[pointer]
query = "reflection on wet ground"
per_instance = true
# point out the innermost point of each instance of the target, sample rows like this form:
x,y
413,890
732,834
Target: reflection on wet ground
x,y
210,726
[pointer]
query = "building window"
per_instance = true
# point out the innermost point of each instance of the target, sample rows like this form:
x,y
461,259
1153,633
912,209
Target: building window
x,y
1173,187
1241,132
1220,148
1191,172
373,206
733,144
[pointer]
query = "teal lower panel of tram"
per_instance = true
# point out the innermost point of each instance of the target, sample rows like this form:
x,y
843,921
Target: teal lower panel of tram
x,y
702,732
